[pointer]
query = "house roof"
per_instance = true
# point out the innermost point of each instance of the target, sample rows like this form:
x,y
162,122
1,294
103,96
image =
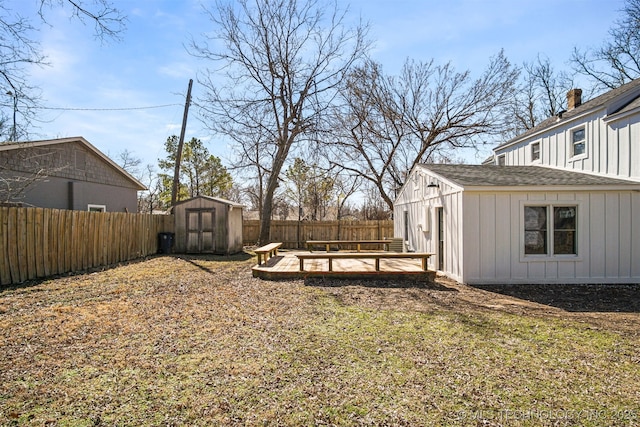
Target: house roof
x,y
80,140
520,176
623,98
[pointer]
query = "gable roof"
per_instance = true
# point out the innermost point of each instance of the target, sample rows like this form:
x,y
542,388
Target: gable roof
x,y
616,101
214,199
521,176
80,140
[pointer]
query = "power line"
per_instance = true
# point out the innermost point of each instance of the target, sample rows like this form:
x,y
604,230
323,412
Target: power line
x,y
149,107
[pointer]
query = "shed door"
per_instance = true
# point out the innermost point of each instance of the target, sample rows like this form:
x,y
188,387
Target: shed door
x,y
201,230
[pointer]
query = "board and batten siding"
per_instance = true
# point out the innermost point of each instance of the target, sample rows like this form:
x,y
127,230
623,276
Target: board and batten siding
x,y
612,146
421,203
608,239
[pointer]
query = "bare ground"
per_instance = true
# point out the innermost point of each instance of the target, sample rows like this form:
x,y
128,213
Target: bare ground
x,y
608,306
198,341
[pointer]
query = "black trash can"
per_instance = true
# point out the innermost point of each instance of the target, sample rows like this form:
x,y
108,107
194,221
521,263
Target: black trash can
x,y
165,243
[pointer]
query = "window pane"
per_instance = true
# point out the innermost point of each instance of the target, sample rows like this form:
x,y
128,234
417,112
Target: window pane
x,y
564,235
535,151
535,217
535,242
535,230
564,242
564,218
577,137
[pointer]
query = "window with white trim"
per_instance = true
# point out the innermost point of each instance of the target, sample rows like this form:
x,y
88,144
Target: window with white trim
x,y
550,230
97,208
535,151
578,138
502,159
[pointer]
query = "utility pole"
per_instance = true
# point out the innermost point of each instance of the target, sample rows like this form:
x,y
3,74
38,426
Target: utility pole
x,y
176,172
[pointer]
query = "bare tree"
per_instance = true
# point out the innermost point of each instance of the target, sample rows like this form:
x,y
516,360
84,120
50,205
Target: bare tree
x,y
393,123
19,50
283,61
129,162
108,21
617,61
149,200
540,95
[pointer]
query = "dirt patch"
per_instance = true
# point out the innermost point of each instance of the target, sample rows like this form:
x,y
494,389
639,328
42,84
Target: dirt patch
x,y
612,307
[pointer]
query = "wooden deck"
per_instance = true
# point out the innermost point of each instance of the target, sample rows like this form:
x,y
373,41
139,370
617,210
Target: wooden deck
x,y
287,266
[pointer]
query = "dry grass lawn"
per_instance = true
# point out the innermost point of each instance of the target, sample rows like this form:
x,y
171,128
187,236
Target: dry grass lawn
x,y
198,341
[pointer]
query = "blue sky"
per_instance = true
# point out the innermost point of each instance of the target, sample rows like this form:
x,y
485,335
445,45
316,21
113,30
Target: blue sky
x,y
152,67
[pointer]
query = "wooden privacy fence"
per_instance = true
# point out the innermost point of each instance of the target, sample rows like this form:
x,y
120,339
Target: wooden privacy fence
x,y
37,242
293,234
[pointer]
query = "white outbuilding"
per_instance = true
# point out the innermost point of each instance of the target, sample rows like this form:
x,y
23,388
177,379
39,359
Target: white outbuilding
x,y
527,224
558,204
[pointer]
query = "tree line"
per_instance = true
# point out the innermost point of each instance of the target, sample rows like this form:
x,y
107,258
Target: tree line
x,y
314,120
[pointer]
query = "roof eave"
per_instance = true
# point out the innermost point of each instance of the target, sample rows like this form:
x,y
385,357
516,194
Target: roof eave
x,y
547,188
455,185
558,123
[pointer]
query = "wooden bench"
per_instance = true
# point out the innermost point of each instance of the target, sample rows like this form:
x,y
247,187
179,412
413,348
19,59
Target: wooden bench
x,y
365,255
268,251
327,243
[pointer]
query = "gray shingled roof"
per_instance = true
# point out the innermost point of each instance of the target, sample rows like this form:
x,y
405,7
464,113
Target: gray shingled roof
x,y
598,101
506,176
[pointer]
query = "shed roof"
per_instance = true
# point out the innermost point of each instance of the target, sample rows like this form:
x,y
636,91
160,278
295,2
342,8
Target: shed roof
x,y
519,176
78,139
213,199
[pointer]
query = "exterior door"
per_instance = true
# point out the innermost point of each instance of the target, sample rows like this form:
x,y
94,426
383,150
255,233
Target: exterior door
x,y
201,230
440,214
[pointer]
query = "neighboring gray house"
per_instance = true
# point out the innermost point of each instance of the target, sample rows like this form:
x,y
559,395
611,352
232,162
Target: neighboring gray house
x,y
205,224
558,204
66,173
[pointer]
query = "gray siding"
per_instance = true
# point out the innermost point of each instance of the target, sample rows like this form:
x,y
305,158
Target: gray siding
x,y
60,193
70,176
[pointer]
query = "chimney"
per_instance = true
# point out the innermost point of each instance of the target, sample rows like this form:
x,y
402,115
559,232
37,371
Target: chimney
x,y
574,98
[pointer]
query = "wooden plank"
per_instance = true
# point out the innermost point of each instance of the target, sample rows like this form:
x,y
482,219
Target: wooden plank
x,y
21,236
87,247
105,226
5,245
74,242
114,239
68,240
12,229
92,238
31,243
39,241
60,238
52,241
46,227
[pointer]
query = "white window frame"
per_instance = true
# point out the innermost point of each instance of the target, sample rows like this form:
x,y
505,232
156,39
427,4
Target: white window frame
x,y
550,255
572,144
502,157
539,152
96,208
